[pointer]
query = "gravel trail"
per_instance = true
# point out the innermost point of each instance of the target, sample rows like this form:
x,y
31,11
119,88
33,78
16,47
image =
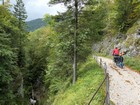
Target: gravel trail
x,y
124,84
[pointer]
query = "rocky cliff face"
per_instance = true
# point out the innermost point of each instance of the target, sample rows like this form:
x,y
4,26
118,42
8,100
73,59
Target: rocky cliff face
x,y
127,43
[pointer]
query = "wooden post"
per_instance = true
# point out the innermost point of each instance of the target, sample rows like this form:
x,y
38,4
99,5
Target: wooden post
x,y
96,59
107,90
107,101
107,85
100,62
105,68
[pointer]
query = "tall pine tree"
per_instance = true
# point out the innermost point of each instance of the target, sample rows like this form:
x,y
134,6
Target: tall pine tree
x,y
20,14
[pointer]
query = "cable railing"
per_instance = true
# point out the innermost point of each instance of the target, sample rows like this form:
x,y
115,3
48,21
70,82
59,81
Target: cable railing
x,y
106,100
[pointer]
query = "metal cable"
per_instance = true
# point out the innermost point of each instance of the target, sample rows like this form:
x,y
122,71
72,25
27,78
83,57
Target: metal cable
x,y
97,90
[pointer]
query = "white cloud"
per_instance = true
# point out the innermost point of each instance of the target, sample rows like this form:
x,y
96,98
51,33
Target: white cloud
x,y
38,8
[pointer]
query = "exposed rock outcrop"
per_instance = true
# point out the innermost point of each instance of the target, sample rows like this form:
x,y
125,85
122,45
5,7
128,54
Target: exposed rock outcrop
x,y
127,43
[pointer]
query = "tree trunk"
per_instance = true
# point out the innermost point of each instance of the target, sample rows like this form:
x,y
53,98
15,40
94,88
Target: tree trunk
x,y
2,2
22,89
75,43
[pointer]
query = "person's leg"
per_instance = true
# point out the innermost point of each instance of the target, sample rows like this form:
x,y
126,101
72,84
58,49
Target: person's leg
x,y
121,65
114,59
117,60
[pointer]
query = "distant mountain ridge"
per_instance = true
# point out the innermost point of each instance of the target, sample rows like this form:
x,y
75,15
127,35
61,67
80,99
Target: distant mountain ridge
x,y
35,24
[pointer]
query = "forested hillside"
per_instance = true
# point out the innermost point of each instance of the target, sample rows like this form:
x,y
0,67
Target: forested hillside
x,y
49,61
12,54
35,24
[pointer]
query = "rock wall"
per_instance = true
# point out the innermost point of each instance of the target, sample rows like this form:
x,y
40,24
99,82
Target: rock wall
x,y
127,43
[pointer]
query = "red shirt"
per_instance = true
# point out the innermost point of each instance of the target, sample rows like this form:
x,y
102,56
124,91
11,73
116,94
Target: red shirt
x,y
116,51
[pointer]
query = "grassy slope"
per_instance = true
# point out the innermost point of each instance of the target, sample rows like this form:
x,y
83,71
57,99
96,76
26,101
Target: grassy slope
x,y
89,79
133,63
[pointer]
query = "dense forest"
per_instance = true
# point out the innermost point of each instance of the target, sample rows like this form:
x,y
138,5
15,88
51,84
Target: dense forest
x,y
42,63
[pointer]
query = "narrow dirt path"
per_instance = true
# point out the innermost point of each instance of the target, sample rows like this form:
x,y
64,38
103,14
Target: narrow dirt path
x,y
124,84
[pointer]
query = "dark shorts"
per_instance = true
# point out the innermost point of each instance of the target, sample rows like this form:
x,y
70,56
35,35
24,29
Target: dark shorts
x,y
116,58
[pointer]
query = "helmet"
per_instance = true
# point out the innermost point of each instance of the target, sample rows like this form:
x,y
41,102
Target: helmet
x,y
116,46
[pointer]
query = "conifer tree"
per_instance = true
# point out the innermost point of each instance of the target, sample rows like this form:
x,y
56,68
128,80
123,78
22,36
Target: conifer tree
x,y
20,14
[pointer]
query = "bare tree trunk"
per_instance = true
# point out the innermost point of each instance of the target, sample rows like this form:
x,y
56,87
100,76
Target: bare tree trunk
x,y
75,43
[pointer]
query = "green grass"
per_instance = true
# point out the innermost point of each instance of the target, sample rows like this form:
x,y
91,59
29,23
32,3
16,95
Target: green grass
x,y
134,28
103,55
133,63
89,78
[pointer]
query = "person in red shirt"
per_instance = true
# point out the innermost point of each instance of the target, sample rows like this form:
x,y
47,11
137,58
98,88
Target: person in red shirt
x,y
116,54
116,51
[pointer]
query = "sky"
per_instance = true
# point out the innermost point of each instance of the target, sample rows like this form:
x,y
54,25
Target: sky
x,y
38,8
